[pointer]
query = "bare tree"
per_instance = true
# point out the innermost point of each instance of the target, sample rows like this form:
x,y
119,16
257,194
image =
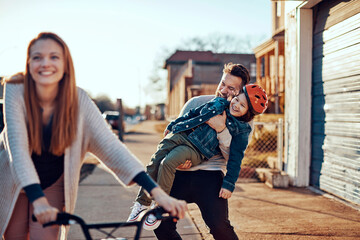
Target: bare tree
x,y
222,43
104,103
215,42
156,86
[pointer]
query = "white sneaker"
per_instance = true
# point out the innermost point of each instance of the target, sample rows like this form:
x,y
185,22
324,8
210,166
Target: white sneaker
x,y
137,211
151,222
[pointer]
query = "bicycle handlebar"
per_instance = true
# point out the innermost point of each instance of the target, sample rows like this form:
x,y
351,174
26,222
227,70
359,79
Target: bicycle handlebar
x,y
64,218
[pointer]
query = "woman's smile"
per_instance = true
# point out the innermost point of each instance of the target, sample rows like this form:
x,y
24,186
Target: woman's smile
x,y
46,62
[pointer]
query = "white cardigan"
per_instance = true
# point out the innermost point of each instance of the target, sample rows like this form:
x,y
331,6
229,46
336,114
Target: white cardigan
x,y
93,135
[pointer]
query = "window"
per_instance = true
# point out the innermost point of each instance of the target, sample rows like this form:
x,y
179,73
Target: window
x,y
252,69
278,9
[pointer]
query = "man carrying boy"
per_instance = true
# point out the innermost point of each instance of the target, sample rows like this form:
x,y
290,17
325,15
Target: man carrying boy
x,y
202,184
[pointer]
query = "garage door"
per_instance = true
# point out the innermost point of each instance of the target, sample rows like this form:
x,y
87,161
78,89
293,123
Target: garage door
x,y
335,163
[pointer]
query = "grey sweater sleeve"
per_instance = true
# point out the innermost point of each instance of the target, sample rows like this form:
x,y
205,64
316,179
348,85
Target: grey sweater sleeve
x,y
16,140
103,143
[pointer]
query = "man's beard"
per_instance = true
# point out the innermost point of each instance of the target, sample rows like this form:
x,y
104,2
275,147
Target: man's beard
x,y
219,94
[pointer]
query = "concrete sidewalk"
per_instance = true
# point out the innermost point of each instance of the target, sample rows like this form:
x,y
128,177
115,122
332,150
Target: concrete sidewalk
x,y
259,212
102,199
256,211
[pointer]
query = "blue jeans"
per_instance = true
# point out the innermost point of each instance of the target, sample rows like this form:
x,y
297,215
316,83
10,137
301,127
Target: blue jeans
x,y
200,187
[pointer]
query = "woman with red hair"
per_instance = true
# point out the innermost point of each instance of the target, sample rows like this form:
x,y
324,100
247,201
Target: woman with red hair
x,y
49,126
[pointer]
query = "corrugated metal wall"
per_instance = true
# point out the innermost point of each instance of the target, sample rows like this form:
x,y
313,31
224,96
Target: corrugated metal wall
x,y
335,163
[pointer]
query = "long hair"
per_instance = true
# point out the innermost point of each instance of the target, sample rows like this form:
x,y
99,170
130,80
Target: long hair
x,y
64,121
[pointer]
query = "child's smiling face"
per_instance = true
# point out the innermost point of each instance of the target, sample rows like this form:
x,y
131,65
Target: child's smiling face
x,y
239,105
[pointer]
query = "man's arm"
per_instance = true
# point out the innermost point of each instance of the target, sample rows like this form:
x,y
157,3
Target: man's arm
x,y
218,122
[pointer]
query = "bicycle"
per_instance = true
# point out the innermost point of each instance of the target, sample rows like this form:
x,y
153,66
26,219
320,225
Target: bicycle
x,y
64,218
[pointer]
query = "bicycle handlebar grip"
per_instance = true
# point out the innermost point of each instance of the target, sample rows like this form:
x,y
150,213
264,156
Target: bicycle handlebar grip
x,y
49,224
159,211
61,219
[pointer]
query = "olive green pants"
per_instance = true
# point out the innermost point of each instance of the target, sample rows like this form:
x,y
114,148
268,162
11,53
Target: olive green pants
x,y
172,151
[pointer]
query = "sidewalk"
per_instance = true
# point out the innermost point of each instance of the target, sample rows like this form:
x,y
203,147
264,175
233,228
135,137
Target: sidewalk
x,y
256,211
102,199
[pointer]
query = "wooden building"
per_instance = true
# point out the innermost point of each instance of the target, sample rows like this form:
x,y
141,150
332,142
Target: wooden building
x,y
270,62
322,95
194,73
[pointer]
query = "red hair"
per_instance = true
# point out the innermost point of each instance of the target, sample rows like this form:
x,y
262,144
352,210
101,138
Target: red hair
x,y
64,122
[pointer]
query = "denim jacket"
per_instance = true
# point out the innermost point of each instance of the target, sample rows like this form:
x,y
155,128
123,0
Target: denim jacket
x,y
205,138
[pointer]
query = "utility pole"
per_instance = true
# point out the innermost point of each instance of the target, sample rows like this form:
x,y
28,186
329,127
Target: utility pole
x,y
121,119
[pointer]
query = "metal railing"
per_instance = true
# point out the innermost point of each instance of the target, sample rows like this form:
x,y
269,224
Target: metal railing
x,y
265,150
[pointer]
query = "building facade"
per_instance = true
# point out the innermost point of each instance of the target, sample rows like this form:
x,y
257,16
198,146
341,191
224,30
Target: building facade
x,y
194,73
270,61
322,95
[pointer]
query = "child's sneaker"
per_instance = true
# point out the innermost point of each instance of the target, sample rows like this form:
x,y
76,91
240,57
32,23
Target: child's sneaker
x,y
137,211
151,222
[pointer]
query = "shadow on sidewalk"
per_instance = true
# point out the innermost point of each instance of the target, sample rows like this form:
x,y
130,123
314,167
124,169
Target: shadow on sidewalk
x,y
86,170
137,133
299,208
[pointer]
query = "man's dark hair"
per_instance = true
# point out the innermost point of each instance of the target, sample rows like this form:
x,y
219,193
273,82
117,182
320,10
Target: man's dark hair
x,y
237,70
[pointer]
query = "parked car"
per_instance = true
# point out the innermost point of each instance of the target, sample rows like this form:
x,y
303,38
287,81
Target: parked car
x,y
112,117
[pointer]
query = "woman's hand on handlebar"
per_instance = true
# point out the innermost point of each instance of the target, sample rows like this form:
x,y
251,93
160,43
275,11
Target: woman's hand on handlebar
x,y
175,207
43,211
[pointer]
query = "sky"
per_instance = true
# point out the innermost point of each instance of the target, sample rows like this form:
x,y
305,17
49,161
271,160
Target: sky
x,y
115,43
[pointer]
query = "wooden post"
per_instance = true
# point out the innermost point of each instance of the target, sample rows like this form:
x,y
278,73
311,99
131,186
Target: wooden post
x,y
258,70
276,76
121,119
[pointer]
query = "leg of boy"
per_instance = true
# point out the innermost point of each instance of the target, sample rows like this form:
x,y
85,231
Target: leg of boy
x,y
164,147
177,156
